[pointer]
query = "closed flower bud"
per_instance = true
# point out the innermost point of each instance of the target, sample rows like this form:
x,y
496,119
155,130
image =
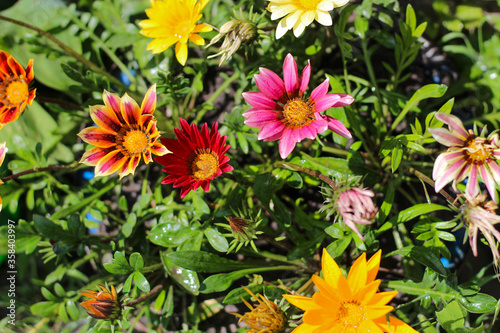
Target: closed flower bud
x,y
103,304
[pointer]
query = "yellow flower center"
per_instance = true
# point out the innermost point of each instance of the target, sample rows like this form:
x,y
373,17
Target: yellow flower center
x,y
351,314
297,113
183,28
309,4
203,164
132,140
16,92
477,150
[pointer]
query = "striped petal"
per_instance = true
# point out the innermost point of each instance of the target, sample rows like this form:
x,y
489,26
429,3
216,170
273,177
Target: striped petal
x,y
130,110
98,137
110,163
148,105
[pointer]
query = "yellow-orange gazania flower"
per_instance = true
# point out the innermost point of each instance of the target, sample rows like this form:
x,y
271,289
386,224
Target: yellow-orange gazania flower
x,y
103,304
14,91
264,317
351,304
174,22
124,133
3,151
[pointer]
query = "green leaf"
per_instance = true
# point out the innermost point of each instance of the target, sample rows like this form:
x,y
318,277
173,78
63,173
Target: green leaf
x,y
141,282
59,290
423,256
62,313
48,295
72,310
409,214
48,228
44,309
397,156
428,91
119,265
136,261
205,262
451,317
222,281
186,278
478,303
215,239
271,292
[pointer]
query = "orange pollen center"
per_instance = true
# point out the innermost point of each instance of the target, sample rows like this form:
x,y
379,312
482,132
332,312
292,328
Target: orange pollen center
x,y
309,4
16,92
478,151
203,164
297,113
132,140
351,314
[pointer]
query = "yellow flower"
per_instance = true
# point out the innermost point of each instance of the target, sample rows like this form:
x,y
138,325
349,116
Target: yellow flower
x,y
174,22
298,14
124,133
265,317
103,304
350,305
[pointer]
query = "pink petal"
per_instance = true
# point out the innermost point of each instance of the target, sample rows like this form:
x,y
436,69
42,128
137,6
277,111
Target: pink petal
x,y
270,84
260,120
454,122
271,129
308,132
290,74
489,181
495,170
259,100
304,78
286,144
449,174
326,102
445,137
472,187
337,127
345,99
443,160
320,90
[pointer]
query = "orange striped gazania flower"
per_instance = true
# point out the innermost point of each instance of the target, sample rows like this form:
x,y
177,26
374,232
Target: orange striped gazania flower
x,y
124,133
349,304
14,92
103,304
3,151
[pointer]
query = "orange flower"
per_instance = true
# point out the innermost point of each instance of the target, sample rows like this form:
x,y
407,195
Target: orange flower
x,y
124,133
14,92
349,304
103,304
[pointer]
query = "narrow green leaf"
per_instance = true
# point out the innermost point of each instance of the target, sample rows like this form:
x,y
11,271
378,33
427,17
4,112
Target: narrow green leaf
x,y
205,262
411,213
423,256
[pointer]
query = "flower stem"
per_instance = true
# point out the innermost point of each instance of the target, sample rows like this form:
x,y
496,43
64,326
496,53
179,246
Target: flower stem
x,y
68,50
155,291
295,167
429,181
36,170
151,268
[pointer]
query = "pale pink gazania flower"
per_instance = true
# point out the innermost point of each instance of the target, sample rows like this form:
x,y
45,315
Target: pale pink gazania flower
x,y
469,155
479,215
282,113
355,206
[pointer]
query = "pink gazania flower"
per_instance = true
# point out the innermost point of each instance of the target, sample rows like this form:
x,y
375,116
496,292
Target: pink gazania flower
x,y
281,111
355,206
125,132
480,215
469,155
196,157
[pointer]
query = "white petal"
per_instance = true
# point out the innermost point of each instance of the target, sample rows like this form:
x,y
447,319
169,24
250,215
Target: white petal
x,y
281,29
325,5
339,3
280,11
292,19
324,18
298,28
308,17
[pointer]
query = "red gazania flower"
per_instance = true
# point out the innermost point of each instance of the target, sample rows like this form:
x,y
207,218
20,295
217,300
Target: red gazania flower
x,y
124,133
103,304
14,92
197,157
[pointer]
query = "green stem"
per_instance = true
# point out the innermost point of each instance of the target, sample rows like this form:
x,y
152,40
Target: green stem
x,y
155,291
429,181
295,167
151,268
103,46
37,170
68,50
